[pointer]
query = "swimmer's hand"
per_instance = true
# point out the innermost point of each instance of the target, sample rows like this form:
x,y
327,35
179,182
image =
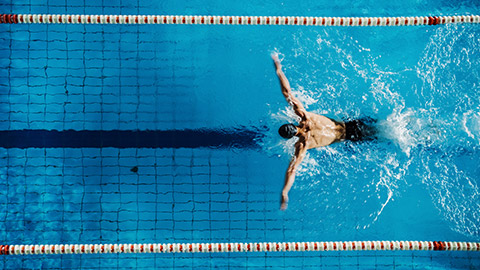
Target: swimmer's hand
x,y
284,202
276,60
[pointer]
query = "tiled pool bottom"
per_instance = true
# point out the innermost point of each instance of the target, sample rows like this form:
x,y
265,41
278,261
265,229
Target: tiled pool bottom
x,y
131,195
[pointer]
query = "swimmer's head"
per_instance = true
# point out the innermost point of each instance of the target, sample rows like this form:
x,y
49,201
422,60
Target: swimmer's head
x,y
287,131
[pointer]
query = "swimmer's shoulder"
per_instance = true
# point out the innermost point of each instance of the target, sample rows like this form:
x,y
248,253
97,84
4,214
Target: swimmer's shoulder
x,y
322,119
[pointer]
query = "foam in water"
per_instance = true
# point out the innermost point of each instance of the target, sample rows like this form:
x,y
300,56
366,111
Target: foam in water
x,y
450,84
408,128
471,125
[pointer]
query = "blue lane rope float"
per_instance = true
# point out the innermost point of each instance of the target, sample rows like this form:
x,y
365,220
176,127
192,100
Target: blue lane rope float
x,y
235,20
238,247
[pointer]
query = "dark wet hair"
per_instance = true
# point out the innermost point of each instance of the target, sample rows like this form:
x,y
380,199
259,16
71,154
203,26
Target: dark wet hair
x,y
287,131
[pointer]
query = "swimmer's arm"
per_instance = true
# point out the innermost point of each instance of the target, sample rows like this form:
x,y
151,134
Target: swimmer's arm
x,y
286,90
300,151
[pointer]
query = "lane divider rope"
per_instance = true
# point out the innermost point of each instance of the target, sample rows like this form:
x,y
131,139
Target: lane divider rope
x,y
234,20
238,247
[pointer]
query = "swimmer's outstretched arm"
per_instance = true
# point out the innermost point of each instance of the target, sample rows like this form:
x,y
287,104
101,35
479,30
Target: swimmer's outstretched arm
x,y
300,151
286,90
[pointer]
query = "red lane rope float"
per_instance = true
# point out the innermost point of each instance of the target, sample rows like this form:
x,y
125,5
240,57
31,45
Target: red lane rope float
x,y
234,20
237,247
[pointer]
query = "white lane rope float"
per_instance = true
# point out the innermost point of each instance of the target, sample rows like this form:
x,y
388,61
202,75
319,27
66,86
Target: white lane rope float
x,y
238,247
234,20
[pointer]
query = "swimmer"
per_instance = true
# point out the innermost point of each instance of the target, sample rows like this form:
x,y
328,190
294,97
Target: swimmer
x,y
313,131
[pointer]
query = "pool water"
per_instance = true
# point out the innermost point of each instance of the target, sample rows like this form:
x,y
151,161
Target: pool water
x,y
418,181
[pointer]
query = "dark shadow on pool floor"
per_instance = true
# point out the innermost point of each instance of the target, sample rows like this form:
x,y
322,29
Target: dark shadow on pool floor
x,y
185,138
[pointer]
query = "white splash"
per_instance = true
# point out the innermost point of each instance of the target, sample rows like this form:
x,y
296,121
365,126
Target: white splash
x,y
305,97
471,124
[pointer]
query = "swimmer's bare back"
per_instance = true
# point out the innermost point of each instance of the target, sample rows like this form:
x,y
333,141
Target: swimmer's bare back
x,y
320,130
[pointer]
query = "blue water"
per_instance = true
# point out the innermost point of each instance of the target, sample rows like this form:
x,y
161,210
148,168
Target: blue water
x,y
419,181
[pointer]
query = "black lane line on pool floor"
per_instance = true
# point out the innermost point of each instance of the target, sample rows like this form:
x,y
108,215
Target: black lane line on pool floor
x,y
186,138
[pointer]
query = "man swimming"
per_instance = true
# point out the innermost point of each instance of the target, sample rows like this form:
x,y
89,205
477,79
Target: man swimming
x,y
313,131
